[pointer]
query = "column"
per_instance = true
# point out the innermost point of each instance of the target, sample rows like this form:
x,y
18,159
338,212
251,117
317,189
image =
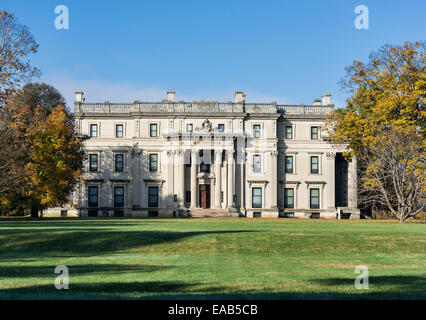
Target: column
x,y
352,184
230,166
218,177
170,177
331,187
273,178
194,155
181,184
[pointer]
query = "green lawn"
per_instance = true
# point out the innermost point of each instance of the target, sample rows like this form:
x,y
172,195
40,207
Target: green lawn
x,y
211,258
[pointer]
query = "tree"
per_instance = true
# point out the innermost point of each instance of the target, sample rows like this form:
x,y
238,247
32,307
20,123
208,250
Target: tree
x,y
50,154
16,42
386,111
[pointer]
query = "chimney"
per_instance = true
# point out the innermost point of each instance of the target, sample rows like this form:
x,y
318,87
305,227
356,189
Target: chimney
x,y
326,99
240,97
79,96
171,95
316,102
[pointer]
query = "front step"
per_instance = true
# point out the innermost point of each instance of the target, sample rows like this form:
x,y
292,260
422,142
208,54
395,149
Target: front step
x,y
207,213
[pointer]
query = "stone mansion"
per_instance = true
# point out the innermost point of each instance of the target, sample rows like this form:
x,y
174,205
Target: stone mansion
x,y
175,158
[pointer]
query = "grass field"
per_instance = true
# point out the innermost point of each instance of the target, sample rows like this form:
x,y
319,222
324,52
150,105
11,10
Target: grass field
x,y
211,258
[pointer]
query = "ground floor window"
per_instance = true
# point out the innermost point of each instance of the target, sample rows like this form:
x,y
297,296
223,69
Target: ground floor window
x,y
315,198
93,196
288,198
256,197
152,196
188,196
118,196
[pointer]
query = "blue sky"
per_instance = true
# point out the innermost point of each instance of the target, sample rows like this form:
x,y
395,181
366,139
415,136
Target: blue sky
x,y
284,51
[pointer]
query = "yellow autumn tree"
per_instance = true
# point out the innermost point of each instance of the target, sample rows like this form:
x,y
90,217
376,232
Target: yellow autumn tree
x,y
44,153
383,125
54,160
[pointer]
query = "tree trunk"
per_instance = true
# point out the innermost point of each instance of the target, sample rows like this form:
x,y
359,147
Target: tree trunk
x,y
34,212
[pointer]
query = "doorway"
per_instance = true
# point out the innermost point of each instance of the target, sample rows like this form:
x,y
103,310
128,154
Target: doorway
x,y
204,196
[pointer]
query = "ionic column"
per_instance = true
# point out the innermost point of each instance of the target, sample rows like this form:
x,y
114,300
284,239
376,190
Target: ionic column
x,y
352,184
230,166
181,185
218,177
170,177
330,196
273,177
194,154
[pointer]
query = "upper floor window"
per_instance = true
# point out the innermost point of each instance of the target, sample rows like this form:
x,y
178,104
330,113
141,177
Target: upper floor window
x,y
221,127
257,163
288,132
204,167
119,131
256,197
314,164
314,133
118,196
289,198
93,196
153,162
288,164
153,197
93,162
189,127
256,131
119,162
93,130
153,130
314,198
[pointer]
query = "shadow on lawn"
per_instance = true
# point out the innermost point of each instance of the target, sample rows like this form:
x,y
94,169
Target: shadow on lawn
x,y
395,282
175,290
77,270
90,243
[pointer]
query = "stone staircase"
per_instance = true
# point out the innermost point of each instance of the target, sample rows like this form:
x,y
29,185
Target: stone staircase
x,y
207,213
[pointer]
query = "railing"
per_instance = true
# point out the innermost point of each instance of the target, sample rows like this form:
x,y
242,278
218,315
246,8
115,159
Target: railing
x,y
201,107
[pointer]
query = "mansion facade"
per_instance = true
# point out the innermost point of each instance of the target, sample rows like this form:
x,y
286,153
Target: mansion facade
x,y
176,158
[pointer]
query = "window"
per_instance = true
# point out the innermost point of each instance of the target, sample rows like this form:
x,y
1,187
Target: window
x,y
153,162
256,131
204,167
152,196
288,198
188,196
93,196
314,164
93,130
314,197
93,162
189,127
256,197
119,131
221,127
289,132
119,162
153,130
118,196
288,164
314,133
257,163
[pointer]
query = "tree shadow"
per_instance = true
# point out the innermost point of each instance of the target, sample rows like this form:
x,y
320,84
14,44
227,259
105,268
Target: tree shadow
x,y
76,270
90,243
178,290
396,282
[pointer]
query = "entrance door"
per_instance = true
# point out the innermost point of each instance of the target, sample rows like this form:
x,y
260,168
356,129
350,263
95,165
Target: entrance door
x,y
205,196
